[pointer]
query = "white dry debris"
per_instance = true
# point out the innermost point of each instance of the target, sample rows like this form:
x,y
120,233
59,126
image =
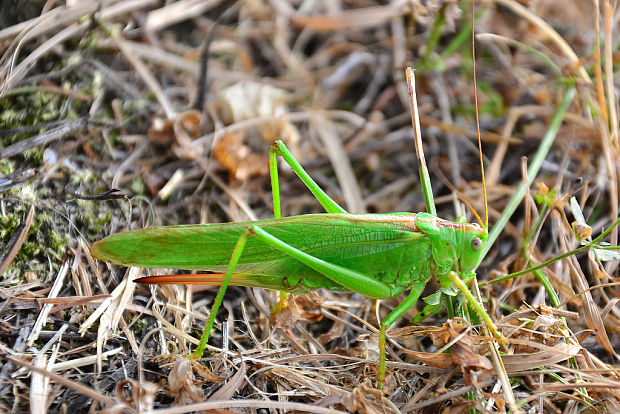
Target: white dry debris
x,y
246,100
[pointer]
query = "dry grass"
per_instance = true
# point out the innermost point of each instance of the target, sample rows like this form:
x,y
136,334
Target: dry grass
x,y
108,95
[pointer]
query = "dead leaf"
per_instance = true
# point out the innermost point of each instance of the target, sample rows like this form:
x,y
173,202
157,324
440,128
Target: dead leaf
x,y
238,158
16,241
440,337
356,18
358,400
443,361
251,100
334,332
182,384
139,395
298,308
476,367
533,360
438,334
184,128
582,230
232,386
160,130
206,373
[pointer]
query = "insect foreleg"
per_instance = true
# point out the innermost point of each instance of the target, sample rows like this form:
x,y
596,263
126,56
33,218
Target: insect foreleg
x,y
458,282
400,310
278,148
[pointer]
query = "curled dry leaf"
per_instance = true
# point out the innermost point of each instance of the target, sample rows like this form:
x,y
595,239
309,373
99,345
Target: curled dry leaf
x,y
182,129
310,306
160,130
232,386
298,308
548,322
334,332
138,395
182,385
363,400
154,182
179,132
476,367
546,356
600,271
440,337
443,361
438,334
187,128
238,158
582,230
206,373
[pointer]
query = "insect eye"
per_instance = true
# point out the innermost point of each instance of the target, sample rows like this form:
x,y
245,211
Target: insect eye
x,y
476,244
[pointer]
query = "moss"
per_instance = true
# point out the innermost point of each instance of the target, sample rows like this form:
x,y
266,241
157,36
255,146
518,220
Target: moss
x,y
138,187
27,106
6,167
43,246
30,107
490,103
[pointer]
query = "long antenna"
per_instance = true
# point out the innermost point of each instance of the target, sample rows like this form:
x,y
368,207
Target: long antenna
x,y
473,54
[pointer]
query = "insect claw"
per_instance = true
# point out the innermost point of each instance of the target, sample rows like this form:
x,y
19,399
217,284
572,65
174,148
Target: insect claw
x,y
278,307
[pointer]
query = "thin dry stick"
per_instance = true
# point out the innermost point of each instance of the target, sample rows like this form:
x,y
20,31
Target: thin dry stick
x,y
86,361
16,241
177,12
609,73
66,129
342,165
439,89
97,396
256,404
528,198
39,387
42,318
514,114
14,75
610,142
399,59
146,76
550,32
600,91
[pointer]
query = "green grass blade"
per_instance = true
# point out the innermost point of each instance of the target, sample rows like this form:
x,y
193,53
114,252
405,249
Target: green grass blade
x,y
532,171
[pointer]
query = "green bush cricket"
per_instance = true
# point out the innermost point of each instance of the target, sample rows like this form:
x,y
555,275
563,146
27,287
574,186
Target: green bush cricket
x,y
378,255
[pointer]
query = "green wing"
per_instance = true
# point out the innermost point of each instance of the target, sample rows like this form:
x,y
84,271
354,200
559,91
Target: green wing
x,y
382,247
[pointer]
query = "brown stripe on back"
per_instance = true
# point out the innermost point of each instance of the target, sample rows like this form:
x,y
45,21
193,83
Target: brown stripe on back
x,y
405,221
